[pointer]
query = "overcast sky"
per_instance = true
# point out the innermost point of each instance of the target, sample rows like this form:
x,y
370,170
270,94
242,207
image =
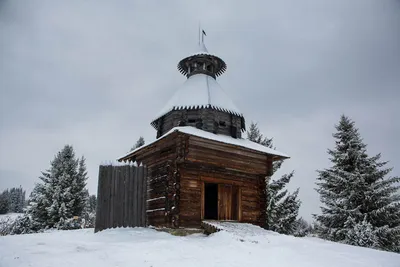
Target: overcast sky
x,y
95,73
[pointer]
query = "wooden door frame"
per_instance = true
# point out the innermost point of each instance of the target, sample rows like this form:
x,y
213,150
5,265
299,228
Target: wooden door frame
x,y
239,196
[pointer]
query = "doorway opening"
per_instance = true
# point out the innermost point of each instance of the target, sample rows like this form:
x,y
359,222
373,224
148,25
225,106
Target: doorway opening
x,y
211,201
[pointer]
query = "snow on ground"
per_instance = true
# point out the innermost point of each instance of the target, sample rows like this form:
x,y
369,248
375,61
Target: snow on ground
x,y
7,219
147,247
9,216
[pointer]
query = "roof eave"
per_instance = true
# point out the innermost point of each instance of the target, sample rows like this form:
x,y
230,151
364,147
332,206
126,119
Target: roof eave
x,y
195,107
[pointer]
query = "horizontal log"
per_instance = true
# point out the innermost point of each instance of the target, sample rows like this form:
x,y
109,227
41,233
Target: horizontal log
x,y
228,156
156,216
254,207
189,214
198,169
187,206
250,191
227,180
225,147
154,194
252,214
188,195
234,165
155,205
190,184
250,199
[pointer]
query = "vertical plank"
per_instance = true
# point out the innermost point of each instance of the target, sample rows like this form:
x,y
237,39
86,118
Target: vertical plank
x,y
100,187
127,198
219,201
240,204
144,195
202,200
135,197
126,189
108,191
131,177
140,197
228,202
235,201
114,199
118,197
121,196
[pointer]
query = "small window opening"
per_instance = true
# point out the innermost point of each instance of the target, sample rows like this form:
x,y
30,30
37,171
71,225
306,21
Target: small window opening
x,y
222,123
191,120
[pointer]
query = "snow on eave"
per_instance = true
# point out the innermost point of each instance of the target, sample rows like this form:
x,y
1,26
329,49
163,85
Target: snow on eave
x,y
230,140
131,153
117,163
215,137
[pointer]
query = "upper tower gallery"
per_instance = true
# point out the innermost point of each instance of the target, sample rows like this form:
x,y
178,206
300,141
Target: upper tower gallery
x,y
200,101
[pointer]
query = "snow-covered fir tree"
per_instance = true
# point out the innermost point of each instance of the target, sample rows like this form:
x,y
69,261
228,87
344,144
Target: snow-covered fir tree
x,y
16,199
303,228
12,200
361,205
4,205
79,189
90,210
282,206
92,203
140,142
61,193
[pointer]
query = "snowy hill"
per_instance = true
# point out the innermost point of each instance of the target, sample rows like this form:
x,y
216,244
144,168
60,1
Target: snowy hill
x,y
147,247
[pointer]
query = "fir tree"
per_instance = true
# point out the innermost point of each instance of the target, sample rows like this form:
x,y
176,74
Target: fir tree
x,y
12,199
361,206
4,202
61,195
79,189
16,199
92,203
21,200
90,211
140,142
303,228
282,207
39,200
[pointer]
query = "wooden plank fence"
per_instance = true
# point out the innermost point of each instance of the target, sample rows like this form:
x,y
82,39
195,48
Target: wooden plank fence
x,y
121,197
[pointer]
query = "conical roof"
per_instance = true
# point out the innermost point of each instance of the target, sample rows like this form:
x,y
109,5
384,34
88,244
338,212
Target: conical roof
x,y
200,91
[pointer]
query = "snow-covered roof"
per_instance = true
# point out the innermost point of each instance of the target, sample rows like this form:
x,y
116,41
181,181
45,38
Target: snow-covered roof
x,y
215,137
200,91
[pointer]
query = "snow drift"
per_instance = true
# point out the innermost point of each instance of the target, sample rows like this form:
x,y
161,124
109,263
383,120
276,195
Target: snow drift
x,y
147,247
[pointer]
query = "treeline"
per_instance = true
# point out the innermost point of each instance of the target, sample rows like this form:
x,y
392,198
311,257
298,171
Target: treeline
x,y
12,200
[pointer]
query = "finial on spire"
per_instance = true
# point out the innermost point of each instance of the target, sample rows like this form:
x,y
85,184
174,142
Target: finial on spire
x,y
202,36
202,33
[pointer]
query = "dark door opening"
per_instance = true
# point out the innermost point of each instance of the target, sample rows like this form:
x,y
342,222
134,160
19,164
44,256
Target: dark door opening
x,y
211,201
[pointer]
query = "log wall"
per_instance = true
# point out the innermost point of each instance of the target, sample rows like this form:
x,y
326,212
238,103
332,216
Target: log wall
x,y
162,182
211,121
207,161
